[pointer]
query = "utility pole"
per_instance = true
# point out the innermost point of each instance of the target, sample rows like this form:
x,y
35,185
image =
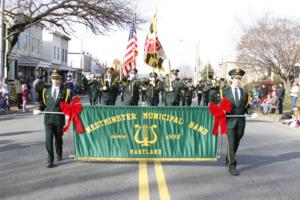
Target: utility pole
x,y
2,49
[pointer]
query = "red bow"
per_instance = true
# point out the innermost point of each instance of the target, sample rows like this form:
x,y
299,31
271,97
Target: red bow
x,y
72,110
219,112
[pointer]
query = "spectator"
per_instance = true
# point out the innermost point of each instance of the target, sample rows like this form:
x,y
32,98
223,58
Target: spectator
x,y
5,92
266,104
18,86
281,94
255,93
25,92
294,94
295,122
263,92
274,90
31,88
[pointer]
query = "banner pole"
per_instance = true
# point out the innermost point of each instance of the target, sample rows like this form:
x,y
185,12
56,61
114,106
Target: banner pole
x,y
71,143
219,146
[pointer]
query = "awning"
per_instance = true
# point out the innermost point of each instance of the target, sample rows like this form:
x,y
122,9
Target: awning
x,y
29,61
66,68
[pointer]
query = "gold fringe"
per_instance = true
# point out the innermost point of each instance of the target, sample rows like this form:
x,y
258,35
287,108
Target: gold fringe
x,y
67,95
44,97
145,159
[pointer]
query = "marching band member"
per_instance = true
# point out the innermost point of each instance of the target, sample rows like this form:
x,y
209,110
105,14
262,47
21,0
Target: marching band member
x,y
108,87
53,122
131,89
153,90
172,88
235,125
93,90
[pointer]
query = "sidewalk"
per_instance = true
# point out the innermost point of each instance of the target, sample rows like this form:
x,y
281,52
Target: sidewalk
x,y
269,117
14,109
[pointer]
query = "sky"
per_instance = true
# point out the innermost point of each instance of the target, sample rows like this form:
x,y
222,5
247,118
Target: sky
x,y
213,27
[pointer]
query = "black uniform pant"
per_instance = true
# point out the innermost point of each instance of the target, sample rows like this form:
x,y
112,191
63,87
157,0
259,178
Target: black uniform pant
x,y
234,137
93,99
205,101
53,132
199,98
280,106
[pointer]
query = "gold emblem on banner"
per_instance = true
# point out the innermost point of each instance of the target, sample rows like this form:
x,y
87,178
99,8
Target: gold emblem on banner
x,y
146,140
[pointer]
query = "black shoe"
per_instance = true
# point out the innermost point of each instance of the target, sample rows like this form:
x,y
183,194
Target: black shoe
x,y
50,165
234,172
59,158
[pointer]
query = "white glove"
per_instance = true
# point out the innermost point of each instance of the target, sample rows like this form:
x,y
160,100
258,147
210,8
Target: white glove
x,y
104,88
254,115
36,111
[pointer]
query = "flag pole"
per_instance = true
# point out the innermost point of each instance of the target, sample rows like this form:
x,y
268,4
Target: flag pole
x,y
121,69
169,73
155,33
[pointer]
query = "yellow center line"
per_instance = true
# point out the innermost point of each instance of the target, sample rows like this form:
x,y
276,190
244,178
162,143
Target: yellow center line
x,y
161,181
143,181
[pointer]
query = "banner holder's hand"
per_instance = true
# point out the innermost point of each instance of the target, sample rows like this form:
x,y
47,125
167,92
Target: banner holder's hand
x,y
37,112
254,115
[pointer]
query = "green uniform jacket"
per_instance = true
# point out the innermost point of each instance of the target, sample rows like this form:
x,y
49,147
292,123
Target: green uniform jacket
x,y
214,95
236,109
152,93
131,92
93,89
53,105
110,93
173,96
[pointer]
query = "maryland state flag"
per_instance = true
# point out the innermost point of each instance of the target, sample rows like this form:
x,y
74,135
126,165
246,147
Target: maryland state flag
x,y
154,52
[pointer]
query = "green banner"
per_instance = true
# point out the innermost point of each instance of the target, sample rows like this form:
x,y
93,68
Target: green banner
x,y
115,133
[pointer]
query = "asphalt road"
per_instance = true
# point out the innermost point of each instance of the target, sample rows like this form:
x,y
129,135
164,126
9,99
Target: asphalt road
x,y
268,159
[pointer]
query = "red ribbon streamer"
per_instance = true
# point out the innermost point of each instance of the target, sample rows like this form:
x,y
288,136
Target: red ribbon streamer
x,y
219,112
72,110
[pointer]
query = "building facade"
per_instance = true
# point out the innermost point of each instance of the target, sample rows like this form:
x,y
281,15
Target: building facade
x,y
26,56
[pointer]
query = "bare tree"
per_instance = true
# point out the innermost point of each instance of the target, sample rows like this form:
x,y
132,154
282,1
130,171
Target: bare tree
x,y
273,45
99,16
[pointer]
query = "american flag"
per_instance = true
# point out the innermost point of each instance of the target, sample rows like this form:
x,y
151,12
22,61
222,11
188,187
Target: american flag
x,y
131,50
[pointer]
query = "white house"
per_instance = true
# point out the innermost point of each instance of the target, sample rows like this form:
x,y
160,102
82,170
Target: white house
x,y
26,56
55,49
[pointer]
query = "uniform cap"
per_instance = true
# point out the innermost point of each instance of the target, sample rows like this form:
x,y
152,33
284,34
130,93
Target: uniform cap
x,y
175,71
153,74
236,73
55,74
109,69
